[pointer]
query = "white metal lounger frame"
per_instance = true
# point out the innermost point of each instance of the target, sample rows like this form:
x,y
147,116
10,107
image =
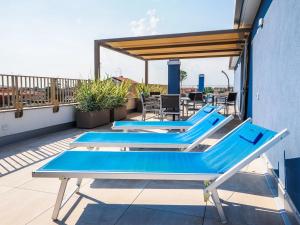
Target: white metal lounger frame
x,y
124,144
215,180
127,128
211,189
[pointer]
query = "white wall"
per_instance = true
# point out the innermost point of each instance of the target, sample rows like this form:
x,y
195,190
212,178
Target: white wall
x,y
34,118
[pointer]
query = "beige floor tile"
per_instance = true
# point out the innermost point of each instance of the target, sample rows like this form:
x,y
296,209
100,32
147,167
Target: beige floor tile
x,y
137,215
91,206
17,178
209,221
50,185
174,196
20,206
4,189
114,191
21,176
242,208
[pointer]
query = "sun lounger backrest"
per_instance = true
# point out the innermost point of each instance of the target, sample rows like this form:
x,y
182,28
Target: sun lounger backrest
x,y
212,120
201,113
237,146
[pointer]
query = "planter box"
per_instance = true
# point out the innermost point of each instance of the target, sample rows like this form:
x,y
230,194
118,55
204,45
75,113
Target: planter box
x,y
119,113
139,107
92,119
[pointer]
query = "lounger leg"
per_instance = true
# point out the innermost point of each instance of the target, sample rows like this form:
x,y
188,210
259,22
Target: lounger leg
x,y
59,198
78,183
218,204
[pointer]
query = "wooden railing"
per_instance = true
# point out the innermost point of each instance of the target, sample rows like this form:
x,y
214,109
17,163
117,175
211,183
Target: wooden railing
x,y
17,91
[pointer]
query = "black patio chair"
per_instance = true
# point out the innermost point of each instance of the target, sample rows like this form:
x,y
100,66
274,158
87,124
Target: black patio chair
x,y
196,101
149,106
170,105
227,101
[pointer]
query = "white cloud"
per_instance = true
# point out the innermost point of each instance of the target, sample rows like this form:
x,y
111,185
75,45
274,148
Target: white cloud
x,y
146,25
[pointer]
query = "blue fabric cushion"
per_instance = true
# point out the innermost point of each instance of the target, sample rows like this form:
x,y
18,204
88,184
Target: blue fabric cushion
x,y
250,135
208,109
213,120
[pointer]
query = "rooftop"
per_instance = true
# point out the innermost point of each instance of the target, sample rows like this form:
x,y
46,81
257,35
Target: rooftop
x,y
247,197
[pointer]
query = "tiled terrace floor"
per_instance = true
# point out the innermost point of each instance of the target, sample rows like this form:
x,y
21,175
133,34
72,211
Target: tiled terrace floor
x,y
24,200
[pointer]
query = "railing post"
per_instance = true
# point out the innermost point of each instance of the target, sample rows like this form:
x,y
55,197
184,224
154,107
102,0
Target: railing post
x,y
54,100
13,89
16,97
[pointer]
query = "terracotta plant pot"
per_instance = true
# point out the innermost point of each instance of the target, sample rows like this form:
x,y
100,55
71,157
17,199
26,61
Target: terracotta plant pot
x,y
93,119
119,113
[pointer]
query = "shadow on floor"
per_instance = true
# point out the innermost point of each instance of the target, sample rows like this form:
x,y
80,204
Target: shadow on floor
x,y
99,212
17,156
242,182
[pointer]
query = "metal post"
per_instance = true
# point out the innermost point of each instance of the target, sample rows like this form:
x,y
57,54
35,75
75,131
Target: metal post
x,y
228,84
60,196
218,204
78,183
146,71
96,60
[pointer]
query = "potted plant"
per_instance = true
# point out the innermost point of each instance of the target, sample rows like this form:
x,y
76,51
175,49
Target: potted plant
x,y
119,93
93,104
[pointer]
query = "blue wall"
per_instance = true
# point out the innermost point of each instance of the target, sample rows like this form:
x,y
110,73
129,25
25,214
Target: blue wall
x,y
261,14
274,85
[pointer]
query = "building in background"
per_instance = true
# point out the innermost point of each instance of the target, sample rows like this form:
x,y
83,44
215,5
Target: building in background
x,y
201,82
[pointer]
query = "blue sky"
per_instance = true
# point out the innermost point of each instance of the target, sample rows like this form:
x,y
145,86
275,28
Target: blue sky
x,y
55,37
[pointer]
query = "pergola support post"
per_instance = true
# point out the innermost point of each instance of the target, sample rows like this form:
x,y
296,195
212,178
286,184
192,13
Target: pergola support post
x,y
146,72
96,60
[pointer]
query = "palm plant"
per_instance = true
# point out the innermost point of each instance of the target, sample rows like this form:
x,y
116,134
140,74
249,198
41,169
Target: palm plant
x,y
142,88
119,94
146,89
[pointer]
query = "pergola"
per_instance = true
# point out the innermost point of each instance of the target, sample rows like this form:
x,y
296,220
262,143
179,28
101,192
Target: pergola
x,y
219,43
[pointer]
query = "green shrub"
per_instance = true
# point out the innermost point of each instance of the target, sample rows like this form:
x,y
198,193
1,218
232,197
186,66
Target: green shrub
x,y
119,94
142,88
146,89
208,90
86,98
100,95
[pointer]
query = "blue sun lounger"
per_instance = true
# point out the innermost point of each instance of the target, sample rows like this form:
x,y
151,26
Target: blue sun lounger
x,y
214,166
189,139
167,125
